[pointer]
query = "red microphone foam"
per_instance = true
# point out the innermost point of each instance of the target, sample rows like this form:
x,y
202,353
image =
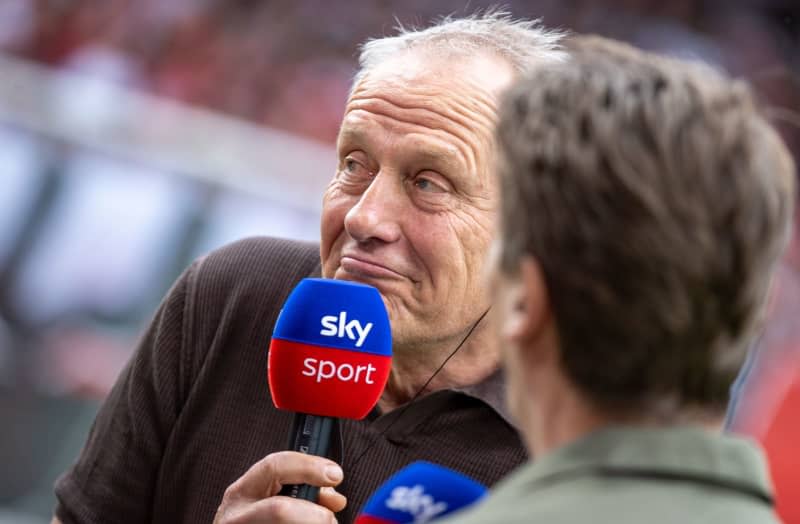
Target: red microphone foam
x,y
330,353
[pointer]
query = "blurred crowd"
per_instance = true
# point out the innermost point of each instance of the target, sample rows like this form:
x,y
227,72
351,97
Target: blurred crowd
x,y
72,225
289,64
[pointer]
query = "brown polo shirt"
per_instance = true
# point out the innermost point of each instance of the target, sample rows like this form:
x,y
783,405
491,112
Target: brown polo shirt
x,y
191,412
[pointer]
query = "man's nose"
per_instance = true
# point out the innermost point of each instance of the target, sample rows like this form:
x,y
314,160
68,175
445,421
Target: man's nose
x,y
377,214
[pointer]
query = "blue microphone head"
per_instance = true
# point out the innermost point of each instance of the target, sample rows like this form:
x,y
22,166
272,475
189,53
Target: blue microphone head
x,y
331,349
420,493
335,313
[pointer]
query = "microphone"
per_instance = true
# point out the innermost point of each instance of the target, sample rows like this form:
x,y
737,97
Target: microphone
x,y
420,493
329,357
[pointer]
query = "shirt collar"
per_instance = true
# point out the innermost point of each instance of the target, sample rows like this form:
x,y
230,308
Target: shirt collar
x,y
686,453
492,391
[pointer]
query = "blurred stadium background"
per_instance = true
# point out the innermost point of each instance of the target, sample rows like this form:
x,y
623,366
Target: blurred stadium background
x,y
136,135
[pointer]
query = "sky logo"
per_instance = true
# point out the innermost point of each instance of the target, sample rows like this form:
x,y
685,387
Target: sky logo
x,y
339,327
331,349
420,493
415,501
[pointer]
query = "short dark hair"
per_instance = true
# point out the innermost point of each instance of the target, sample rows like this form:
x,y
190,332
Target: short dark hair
x,y
657,200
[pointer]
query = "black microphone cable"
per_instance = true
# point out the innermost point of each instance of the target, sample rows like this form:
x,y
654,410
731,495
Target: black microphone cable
x,y
418,393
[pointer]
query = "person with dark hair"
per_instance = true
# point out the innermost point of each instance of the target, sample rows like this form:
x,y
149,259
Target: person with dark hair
x,y
644,204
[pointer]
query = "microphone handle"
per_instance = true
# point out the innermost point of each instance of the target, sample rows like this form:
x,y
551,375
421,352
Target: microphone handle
x,y
309,434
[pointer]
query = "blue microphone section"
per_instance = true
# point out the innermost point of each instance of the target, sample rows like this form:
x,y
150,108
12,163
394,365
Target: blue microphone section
x,y
336,314
420,493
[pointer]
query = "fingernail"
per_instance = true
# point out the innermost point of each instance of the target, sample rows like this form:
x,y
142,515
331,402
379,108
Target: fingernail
x,y
334,473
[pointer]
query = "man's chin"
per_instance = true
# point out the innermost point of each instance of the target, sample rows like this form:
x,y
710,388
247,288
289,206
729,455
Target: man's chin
x,y
402,332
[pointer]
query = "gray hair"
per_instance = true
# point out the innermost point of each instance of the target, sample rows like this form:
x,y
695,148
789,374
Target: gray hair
x,y
523,43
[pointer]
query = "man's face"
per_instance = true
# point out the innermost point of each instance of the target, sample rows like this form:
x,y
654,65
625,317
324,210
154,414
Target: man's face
x,y
412,205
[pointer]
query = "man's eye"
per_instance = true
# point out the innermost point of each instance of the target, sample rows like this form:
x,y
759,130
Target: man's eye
x,y
353,167
428,186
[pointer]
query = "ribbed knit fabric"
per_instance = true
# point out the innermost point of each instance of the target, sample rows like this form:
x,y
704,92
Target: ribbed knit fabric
x,y
191,412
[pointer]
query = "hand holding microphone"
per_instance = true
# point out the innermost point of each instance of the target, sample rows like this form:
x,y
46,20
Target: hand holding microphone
x,y
252,498
329,357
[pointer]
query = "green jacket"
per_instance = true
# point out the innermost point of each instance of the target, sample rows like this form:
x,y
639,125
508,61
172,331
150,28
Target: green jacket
x,y
626,475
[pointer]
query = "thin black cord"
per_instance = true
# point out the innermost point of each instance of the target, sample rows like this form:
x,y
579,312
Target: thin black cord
x,y
405,407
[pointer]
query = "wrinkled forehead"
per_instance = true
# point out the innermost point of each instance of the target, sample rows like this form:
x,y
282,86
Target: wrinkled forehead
x,y
477,79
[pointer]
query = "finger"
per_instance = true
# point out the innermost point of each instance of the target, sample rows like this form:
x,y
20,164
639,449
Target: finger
x,y
268,475
332,499
285,510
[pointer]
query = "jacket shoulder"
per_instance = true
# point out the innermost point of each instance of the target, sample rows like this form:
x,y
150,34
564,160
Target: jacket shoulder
x,y
242,286
258,264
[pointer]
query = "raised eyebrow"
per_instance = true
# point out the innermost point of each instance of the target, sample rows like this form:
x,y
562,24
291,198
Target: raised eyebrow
x,y
435,155
438,156
351,135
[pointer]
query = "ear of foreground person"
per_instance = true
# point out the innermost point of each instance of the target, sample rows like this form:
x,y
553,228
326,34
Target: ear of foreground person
x,y
644,204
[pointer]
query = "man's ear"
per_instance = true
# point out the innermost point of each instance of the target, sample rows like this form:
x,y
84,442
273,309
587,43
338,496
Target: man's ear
x,y
529,305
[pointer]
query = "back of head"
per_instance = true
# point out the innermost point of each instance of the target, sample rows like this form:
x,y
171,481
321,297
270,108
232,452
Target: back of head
x,y
657,200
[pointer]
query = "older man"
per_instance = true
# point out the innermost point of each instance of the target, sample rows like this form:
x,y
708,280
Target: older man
x,y
410,211
645,202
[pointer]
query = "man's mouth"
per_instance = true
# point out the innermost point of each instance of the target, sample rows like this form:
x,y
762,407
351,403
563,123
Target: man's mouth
x,y
361,267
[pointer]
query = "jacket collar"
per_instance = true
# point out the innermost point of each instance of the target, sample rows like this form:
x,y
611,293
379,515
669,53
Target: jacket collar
x,y
679,453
